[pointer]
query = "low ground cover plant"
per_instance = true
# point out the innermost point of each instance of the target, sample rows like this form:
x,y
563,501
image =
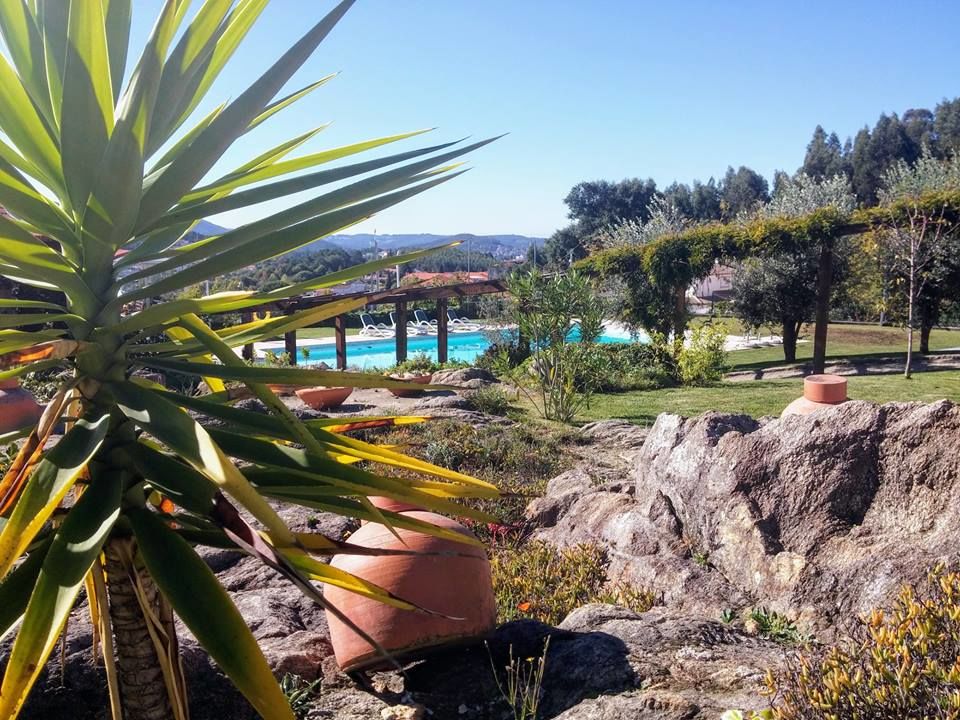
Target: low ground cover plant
x,y
901,662
537,581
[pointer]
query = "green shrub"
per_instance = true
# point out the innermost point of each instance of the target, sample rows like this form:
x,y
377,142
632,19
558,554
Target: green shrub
x,y
422,364
546,308
491,400
704,360
537,581
504,353
619,367
903,663
776,627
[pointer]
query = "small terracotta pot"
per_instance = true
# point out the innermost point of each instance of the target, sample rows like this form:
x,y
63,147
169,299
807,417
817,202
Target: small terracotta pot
x,y
324,398
819,391
18,409
456,586
409,393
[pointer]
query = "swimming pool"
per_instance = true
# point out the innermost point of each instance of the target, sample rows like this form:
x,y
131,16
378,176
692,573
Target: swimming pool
x,y
382,353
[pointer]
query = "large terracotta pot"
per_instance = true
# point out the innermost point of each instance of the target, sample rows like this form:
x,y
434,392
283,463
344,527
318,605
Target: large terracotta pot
x,y
324,398
391,505
18,409
409,393
457,586
819,391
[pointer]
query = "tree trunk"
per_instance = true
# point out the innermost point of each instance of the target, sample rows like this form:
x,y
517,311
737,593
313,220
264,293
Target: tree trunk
x,y
790,331
143,692
925,329
822,318
911,303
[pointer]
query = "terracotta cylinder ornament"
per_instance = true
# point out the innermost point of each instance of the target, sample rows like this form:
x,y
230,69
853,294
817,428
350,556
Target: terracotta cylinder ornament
x,y
457,587
819,391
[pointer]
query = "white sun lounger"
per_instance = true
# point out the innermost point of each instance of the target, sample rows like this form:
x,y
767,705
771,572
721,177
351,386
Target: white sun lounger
x,y
412,327
461,324
374,329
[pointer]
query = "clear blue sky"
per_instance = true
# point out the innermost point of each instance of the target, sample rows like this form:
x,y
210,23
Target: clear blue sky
x,y
600,89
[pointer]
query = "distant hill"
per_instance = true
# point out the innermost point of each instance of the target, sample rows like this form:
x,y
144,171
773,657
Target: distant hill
x,y
205,228
500,246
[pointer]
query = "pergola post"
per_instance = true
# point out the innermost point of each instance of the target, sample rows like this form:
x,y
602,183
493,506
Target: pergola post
x,y
290,346
822,315
442,330
401,334
340,336
247,352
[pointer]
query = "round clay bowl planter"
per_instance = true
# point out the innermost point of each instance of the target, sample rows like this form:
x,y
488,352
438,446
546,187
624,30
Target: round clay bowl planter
x,y
324,398
456,586
819,391
282,388
18,409
409,393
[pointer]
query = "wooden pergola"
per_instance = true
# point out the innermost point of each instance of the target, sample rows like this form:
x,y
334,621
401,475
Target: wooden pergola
x,y
401,298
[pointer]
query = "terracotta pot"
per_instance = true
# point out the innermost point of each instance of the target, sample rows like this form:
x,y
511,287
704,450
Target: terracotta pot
x,y
819,391
282,388
324,398
457,586
404,393
390,505
18,409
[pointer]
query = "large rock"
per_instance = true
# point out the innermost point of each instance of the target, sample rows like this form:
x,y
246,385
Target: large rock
x,y
618,433
471,378
821,516
603,662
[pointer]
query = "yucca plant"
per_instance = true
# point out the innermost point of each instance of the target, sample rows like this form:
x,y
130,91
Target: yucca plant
x,y
102,182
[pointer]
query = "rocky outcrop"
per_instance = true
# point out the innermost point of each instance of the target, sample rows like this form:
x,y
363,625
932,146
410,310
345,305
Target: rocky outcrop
x,y
471,378
821,517
619,433
603,662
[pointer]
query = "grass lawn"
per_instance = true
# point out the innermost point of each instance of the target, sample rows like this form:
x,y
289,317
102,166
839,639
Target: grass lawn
x,y
321,332
765,397
844,341
769,397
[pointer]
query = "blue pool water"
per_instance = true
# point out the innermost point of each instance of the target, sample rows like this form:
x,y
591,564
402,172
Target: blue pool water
x,y
377,353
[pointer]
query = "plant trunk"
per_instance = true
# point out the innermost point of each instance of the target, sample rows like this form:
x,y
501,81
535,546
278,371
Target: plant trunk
x,y
911,302
791,330
925,329
143,691
824,280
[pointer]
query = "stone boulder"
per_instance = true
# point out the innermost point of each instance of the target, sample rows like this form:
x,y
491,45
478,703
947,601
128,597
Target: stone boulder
x,y
821,517
618,433
470,378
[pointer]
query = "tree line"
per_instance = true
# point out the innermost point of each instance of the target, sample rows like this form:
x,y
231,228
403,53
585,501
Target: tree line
x,y
597,205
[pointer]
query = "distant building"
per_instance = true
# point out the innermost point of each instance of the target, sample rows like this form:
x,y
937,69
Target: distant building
x,y
718,285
